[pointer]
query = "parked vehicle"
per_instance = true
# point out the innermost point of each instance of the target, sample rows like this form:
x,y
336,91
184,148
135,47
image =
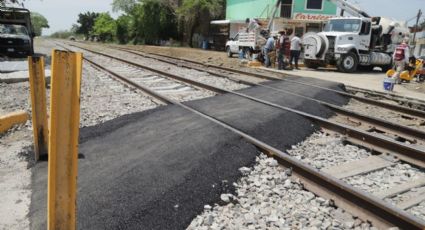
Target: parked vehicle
x,y
353,42
16,32
247,42
251,41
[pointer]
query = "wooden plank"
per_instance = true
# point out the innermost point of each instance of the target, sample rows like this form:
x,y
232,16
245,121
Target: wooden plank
x,y
415,198
401,188
361,166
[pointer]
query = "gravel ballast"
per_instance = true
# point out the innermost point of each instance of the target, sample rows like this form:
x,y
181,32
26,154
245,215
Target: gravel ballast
x,y
268,198
324,151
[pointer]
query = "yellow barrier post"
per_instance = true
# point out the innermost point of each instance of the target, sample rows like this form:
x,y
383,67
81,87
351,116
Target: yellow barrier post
x,y
63,139
38,105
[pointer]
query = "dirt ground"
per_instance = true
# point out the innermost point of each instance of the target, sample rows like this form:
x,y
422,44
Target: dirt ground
x,y
368,80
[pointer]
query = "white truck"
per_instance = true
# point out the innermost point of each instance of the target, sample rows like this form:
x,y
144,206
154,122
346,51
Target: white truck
x,y
354,42
251,41
248,42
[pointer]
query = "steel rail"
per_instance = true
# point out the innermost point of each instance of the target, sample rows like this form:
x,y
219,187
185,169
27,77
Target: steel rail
x,y
397,129
353,200
377,143
397,108
410,101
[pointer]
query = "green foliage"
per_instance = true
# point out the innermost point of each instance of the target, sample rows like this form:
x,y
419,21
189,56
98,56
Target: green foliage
x,y
63,34
39,22
4,2
151,21
198,13
123,29
105,27
136,27
86,22
123,5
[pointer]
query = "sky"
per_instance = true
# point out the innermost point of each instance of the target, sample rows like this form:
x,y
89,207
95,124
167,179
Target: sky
x,y
61,14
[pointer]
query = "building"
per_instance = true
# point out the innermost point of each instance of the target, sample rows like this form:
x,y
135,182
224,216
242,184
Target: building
x,y
301,16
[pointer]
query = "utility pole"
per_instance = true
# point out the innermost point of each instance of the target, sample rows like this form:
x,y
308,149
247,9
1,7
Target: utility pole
x,y
416,28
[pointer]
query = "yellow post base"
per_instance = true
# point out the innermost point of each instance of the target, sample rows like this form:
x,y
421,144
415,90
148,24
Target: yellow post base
x,y
9,120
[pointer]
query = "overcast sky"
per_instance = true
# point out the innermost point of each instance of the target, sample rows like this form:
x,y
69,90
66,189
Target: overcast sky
x,y
61,14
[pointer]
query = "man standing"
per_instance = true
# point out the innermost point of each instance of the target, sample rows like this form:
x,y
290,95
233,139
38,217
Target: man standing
x,y
253,25
295,50
281,50
267,49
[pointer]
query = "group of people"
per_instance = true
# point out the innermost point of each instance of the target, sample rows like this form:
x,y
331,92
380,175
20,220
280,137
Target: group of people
x,y
288,50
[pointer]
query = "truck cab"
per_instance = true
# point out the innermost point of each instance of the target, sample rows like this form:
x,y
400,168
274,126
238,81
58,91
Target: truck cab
x,y
16,32
347,43
15,41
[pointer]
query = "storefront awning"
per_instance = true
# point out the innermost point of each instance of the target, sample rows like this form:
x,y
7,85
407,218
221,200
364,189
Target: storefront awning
x,y
223,22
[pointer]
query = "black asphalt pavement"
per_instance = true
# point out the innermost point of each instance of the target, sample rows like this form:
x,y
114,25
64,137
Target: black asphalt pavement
x,y
157,169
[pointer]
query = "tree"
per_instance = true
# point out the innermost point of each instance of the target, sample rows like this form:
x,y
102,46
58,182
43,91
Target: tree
x,y
123,31
4,2
105,27
86,22
151,21
39,22
123,5
64,34
199,13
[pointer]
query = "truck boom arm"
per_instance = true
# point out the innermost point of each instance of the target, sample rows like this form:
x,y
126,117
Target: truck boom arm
x,y
269,26
350,8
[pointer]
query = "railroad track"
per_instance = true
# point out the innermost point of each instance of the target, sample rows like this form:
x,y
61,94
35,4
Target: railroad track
x,y
397,132
401,100
403,109
371,208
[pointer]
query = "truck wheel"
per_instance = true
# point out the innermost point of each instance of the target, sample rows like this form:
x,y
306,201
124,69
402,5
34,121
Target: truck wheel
x,y
310,64
229,53
348,63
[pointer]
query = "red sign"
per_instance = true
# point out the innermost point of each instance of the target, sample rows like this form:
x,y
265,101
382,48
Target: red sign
x,y
312,17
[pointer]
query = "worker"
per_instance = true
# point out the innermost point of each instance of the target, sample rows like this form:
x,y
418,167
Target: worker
x,y
295,50
253,25
280,47
268,48
401,58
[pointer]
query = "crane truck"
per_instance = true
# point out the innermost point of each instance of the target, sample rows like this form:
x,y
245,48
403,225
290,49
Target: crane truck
x,y
350,43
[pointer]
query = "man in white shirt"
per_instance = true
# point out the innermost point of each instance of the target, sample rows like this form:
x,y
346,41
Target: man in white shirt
x,y
295,50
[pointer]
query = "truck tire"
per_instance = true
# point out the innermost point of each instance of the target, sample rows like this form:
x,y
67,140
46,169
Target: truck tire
x,y
348,63
311,65
229,53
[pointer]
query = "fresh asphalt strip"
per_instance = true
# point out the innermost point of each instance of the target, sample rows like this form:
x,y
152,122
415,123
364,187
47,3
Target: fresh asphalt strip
x,y
157,169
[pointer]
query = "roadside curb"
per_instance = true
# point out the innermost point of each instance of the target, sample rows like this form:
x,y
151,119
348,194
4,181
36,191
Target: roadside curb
x,y
19,79
9,120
